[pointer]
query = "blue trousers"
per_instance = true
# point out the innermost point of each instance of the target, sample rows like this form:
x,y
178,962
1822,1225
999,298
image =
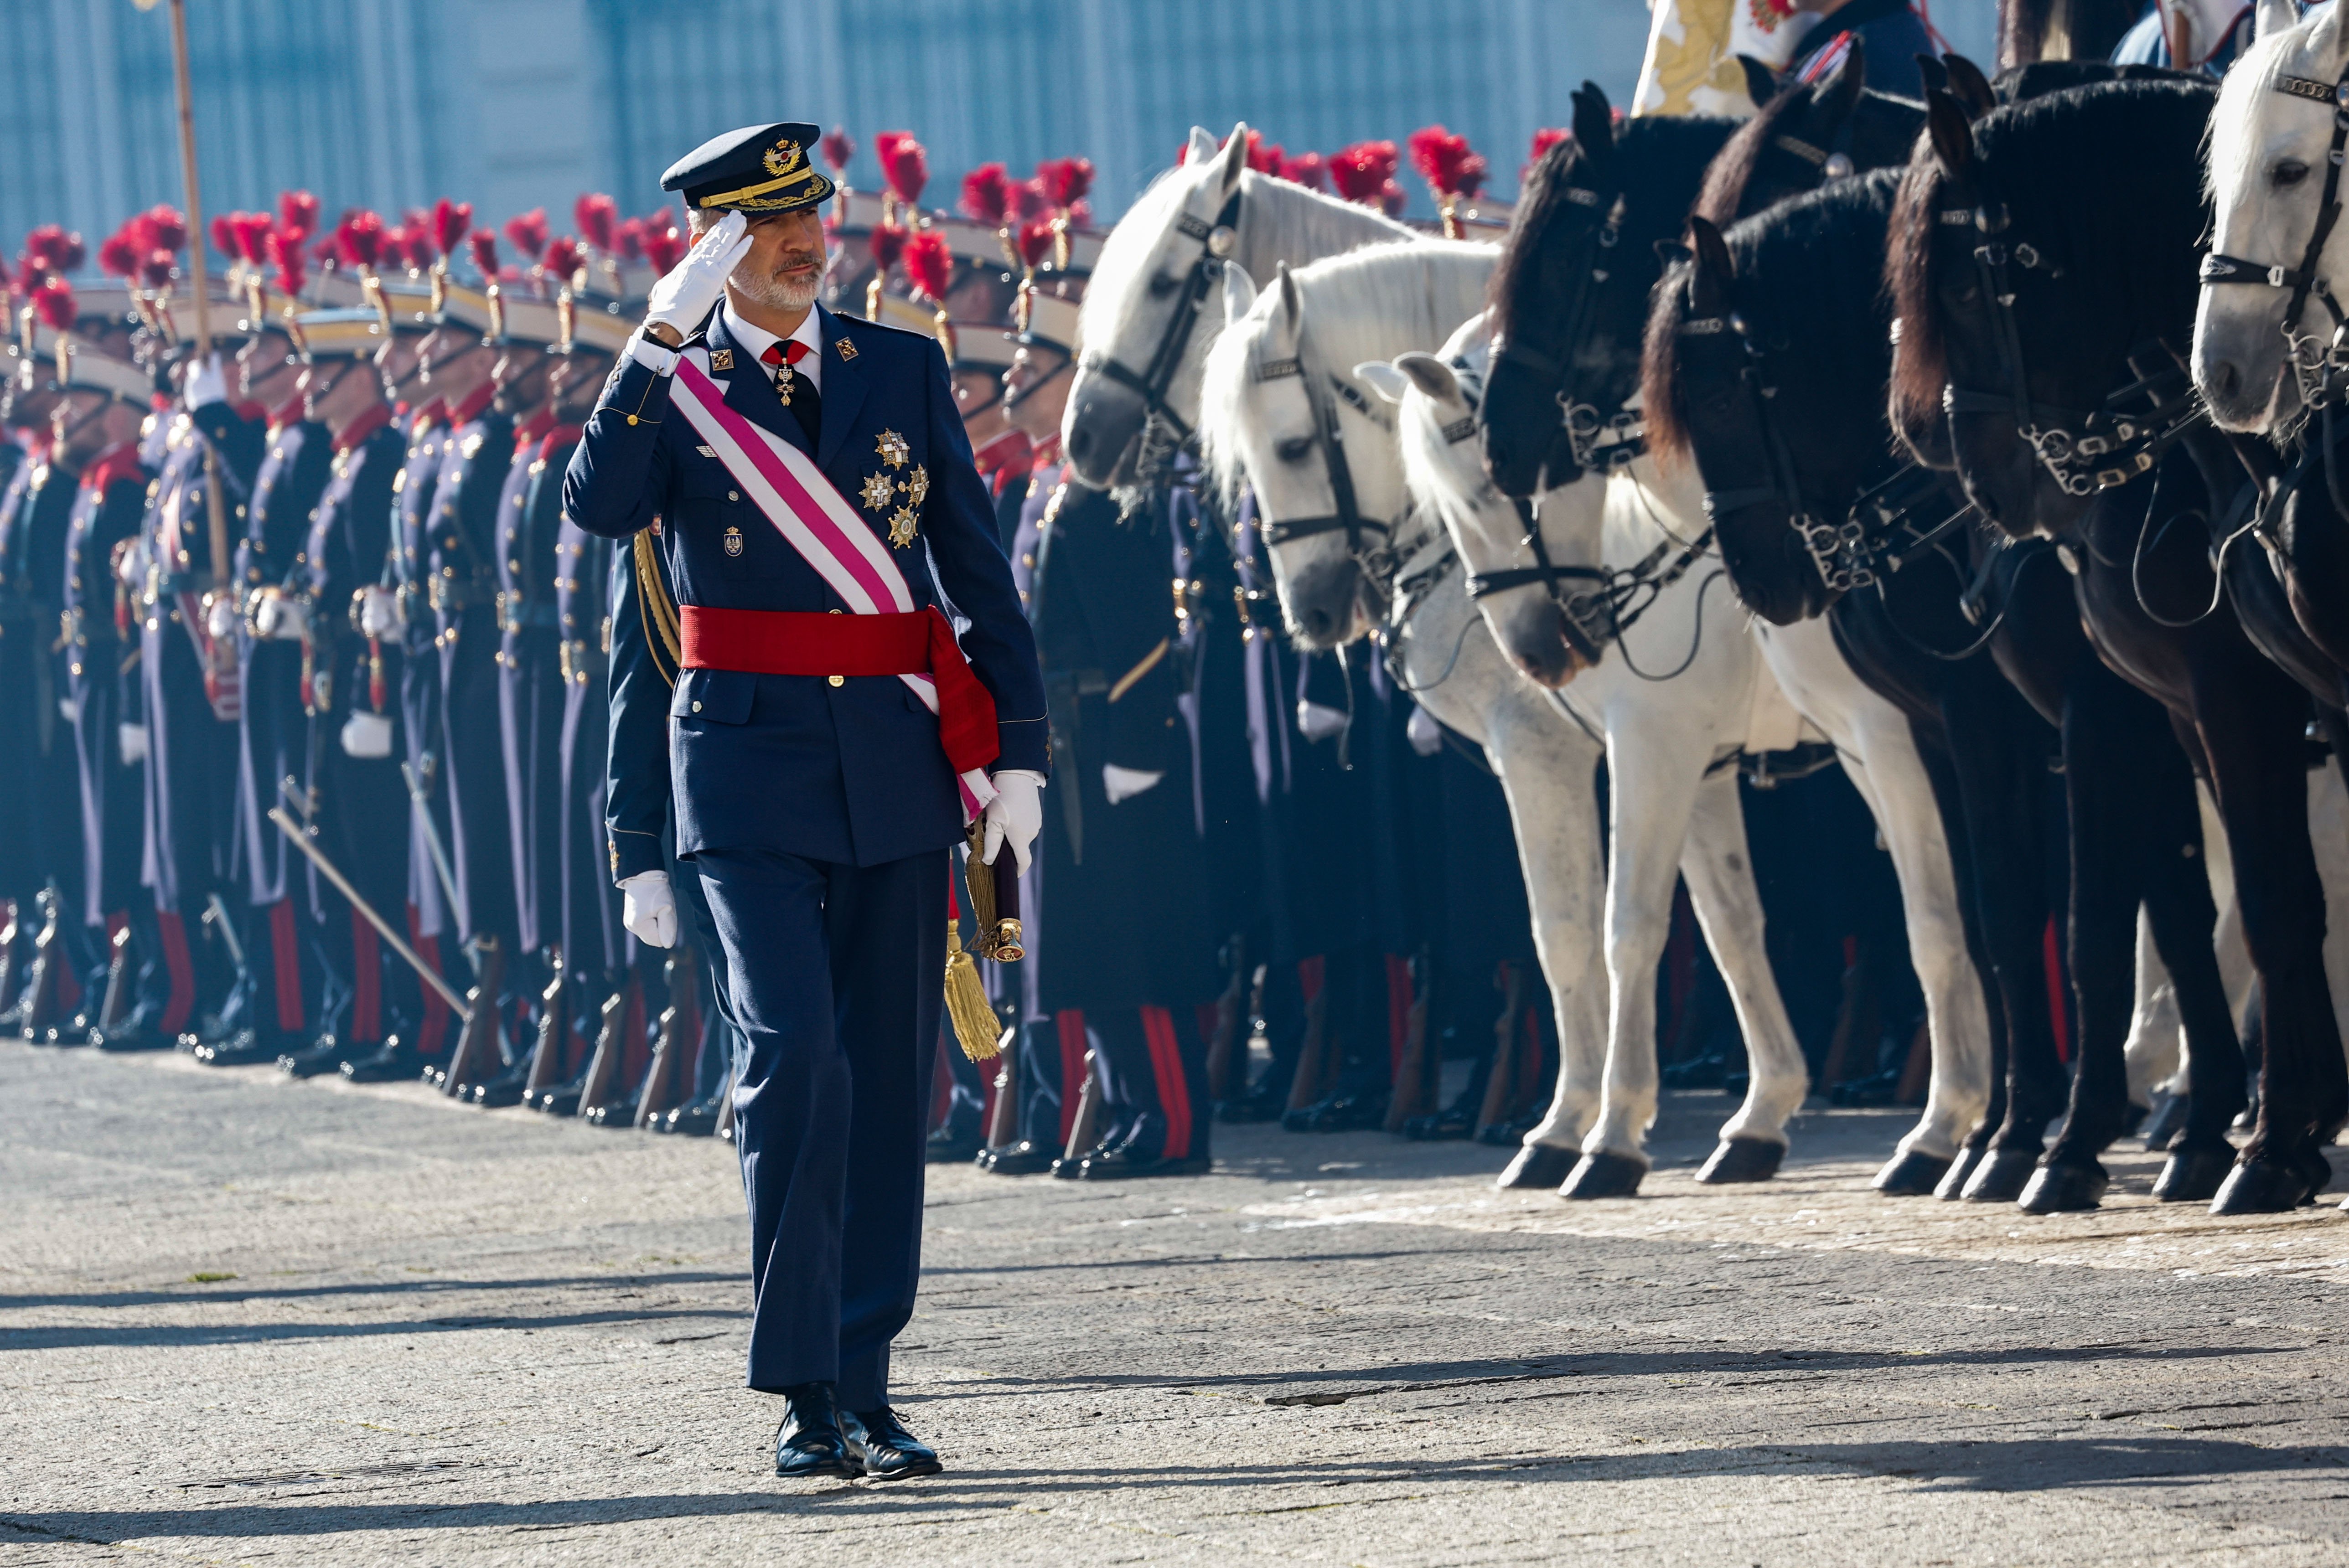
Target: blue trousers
x,y
836,976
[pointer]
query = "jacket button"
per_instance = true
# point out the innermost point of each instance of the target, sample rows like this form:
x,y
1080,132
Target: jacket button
x,y
733,495
837,680
697,707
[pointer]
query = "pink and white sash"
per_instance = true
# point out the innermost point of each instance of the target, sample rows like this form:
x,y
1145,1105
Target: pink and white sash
x,y
816,520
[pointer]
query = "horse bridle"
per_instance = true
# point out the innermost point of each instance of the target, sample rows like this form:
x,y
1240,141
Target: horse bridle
x,y
2085,451
1601,440
1217,242
1347,516
2311,360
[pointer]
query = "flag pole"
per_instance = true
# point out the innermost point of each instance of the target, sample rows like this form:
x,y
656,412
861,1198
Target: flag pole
x,y
196,277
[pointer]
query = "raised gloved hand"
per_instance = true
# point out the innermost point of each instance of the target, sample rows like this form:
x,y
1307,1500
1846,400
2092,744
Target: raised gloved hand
x,y
648,909
221,619
690,290
207,383
379,612
131,740
368,737
1318,721
1125,783
1426,736
281,618
1016,815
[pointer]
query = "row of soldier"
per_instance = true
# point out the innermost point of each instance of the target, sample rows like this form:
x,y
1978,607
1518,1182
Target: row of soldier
x,y
364,810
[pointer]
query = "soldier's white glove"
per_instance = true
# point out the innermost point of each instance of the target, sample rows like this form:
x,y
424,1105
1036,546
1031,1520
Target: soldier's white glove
x,y
131,570
221,619
131,740
1426,736
1016,815
281,618
367,737
691,289
648,909
1125,783
1318,721
207,383
379,612
69,709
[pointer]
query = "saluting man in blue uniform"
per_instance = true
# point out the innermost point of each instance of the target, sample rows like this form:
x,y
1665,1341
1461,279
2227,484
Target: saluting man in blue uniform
x,y
813,498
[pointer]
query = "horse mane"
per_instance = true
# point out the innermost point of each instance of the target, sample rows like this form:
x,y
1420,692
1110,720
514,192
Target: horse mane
x,y
1726,177
1301,222
1671,150
1418,288
2101,128
1798,259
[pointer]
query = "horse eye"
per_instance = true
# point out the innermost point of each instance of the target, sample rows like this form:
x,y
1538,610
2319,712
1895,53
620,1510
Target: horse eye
x,y
2288,171
1162,284
1294,450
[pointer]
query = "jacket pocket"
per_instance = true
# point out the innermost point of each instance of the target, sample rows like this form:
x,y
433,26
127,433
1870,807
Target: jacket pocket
x,y
716,696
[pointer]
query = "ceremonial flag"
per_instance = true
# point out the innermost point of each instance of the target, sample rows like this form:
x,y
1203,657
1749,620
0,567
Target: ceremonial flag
x,y
1691,67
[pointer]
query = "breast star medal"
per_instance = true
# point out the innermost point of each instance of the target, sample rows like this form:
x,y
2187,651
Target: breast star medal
x,y
901,527
879,491
892,448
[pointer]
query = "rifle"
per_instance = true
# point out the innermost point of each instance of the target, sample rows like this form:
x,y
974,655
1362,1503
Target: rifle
x,y
1305,1086
1003,1117
1084,1129
1500,1082
1228,1008
665,1075
41,991
603,1066
546,1058
117,987
478,1056
9,933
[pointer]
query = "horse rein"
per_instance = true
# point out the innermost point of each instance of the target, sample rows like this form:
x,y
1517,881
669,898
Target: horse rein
x,y
1331,438
1600,441
2313,363
1217,241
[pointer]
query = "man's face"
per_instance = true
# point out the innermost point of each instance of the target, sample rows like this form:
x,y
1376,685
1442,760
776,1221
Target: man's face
x,y
978,393
575,380
266,369
783,268
452,364
521,375
395,362
1036,390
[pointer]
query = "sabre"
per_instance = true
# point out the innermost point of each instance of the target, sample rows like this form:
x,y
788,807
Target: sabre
x,y
227,928
440,871
431,976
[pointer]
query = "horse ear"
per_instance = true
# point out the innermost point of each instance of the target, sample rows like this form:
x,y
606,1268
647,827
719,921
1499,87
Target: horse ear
x,y
1430,375
1761,83
1594,122
1234,156
1672,252
1713,270
1840,91
1953,133
1289,302
2274,16
1383,378
2324,38
1969,86
1203,144
1239,293
1936,76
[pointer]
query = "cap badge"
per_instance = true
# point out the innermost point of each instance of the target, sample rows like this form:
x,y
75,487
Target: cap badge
x,y
782,158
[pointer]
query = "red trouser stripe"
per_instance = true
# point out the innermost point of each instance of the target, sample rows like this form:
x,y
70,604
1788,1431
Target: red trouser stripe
x,y
285,957
1174,1088
1309,971
366,980
182,1001
69,985
1072,1025
434,1032
1398,1013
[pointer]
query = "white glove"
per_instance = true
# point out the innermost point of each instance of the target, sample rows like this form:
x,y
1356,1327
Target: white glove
x,y
691,289
379,612
206,384
1125,783
221,619
1426,736
281,618
132,570
1318,721
648,909
1016,814
69,709
130,739
368,737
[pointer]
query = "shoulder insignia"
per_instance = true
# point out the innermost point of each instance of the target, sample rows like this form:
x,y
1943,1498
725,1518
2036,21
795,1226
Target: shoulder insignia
x,y
847,349
721,360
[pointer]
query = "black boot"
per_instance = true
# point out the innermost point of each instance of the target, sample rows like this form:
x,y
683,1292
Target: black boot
x,y
322,1057
808,1442
393,1060
880,1444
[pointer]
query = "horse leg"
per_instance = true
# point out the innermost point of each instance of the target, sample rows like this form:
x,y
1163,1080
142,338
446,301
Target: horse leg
x,y
1549,773
1719,869
1652,795
2250,717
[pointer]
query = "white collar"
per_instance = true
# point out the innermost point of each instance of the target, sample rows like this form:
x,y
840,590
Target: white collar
x,y
755,341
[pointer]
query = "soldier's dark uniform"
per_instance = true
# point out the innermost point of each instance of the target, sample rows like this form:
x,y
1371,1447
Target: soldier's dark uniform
x,y
530,675
418,677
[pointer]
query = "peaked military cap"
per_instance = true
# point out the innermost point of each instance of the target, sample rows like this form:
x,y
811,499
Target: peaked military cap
x,y
757,169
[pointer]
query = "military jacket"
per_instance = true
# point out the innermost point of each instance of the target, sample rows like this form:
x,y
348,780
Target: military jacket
x,y
475,461
530,514
286,489
414,490
106,508
853,761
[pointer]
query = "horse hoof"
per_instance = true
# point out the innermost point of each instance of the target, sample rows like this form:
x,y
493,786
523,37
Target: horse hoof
x,y
2065,1188
2193,1175
2001,1178
1743,1160
1912,1175
1604,1175
1537,1165
1952,1184
2263,1186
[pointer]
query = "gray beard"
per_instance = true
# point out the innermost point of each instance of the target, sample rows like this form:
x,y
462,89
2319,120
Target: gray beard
x,y
776,294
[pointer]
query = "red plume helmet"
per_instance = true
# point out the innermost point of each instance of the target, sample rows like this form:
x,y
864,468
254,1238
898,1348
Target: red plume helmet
x,y
929,265
118,254
987,193
888,244
1452,169
664,246
358,240
298,212
50,249
1028,200
417,244
53,301
223,235
155,272
485,254
1035,242
1066,179
451,221
528,232
906,163
628,239
563,260
838,149
292,266
167,227
253,230
1362,173
1307,169
596,214
1264,160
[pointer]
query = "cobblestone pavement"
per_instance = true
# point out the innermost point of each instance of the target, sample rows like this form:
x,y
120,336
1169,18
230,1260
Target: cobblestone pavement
x,y
244,1319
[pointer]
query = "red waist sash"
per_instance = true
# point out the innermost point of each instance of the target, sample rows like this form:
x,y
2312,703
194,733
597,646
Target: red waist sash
x,y
800,643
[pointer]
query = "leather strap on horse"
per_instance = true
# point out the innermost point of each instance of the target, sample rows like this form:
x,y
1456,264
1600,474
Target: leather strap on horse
x,y
2303,281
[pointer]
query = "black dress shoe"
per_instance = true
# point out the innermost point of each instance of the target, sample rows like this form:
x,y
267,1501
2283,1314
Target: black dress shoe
x,y
134,1037
1022,1159
698,1120
879,1441
561,1100
393,1060
321,1059
1117,1165
808,1442
1341,1112
1264,1104
243,1050
1458,1121
951,1146
504,1089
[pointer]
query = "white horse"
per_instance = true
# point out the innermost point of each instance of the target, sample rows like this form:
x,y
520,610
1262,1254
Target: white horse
x,y
1289,406
1150,309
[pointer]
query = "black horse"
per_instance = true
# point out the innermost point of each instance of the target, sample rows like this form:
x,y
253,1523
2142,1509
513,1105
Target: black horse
x,y
2044,311
1760,370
